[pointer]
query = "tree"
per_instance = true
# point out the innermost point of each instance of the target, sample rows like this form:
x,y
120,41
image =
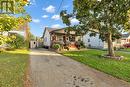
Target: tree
x,y
7,22
17,8
106,17
11,21
65,17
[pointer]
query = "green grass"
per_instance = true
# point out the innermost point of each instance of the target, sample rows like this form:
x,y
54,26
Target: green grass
x,y
12,68
92,58
127,49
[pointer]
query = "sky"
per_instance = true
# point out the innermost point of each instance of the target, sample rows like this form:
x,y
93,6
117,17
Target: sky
x,y
45,13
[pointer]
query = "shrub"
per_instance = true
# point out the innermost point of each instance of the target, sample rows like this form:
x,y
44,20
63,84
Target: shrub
x,y
56,46
82,44
17,42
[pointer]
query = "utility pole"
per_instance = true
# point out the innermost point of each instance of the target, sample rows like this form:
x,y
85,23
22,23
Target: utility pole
x,y
27,35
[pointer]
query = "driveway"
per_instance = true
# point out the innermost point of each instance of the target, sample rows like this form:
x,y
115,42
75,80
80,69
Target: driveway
x,y
49,69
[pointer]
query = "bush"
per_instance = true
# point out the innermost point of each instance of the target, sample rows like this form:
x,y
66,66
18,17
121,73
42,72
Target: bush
x,y
17,42
56,46
82,44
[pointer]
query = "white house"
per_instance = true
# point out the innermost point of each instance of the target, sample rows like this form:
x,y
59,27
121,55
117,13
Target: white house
x,y
47,37
96,42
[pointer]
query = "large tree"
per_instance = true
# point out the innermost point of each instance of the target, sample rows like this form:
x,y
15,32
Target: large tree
x,y
105,17
13,21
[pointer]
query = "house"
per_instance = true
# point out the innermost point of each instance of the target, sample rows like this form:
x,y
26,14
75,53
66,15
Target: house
x,y
54,35
124,40
96,42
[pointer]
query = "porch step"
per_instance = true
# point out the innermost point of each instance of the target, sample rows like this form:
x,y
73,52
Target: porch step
x,y
72,46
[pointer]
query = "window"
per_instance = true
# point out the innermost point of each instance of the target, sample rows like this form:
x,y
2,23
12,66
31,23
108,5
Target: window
x,y
54,38
127,40
88,40
45,39
72,38
119,41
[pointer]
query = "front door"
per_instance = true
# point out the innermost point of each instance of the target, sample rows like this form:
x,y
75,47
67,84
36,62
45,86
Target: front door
x,y
64,39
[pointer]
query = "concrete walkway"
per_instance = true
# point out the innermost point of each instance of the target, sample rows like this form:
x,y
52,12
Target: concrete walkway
x,y
49,69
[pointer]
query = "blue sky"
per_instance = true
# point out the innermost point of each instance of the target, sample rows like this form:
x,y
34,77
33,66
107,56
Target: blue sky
x,y
45,13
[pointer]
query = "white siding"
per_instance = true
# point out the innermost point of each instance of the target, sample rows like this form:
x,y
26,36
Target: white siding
x,y
33,44
46,38
93,42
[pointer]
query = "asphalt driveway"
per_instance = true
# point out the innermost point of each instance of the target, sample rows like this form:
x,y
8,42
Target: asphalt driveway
x,y
49,69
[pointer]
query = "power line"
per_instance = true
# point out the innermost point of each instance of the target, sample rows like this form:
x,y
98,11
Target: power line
x,y
60,6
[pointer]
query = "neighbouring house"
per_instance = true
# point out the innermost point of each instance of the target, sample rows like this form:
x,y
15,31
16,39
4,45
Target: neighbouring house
x,y
96,42
54,35
124,40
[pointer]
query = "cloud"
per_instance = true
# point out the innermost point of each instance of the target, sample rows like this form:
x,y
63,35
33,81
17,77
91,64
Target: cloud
x,y
55,17
45,16
35,20
74,21
32,2
50,9
56,26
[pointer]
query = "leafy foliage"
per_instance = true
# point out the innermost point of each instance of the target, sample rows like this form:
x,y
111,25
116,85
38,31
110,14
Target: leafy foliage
x,y
17,41
18,6
108,18
103,16
56,46
12,22
7,22
65,17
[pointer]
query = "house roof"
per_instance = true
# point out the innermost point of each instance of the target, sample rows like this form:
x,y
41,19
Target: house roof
x,y
55,30
51,30
125,35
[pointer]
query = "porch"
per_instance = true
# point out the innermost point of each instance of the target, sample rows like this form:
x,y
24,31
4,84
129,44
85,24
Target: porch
x,y
67,41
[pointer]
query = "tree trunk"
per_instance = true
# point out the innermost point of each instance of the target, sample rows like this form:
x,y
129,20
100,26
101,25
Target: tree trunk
x,y
110,45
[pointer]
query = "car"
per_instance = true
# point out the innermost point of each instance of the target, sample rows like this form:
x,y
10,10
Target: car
x,y
127,45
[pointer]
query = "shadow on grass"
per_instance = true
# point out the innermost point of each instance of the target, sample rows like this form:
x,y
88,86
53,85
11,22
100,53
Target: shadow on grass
x,y
13,65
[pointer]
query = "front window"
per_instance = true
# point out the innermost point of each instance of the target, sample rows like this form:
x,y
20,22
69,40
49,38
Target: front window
x,y
72,38
127,40
45,39
88,40
118,41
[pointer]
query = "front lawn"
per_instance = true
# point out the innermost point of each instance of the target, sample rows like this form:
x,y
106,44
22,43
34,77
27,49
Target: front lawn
x,y
12,68
92,58
126,49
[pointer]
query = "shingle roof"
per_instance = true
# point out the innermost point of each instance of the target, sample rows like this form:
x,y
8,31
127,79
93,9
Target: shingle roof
x,y
51,29
125,35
